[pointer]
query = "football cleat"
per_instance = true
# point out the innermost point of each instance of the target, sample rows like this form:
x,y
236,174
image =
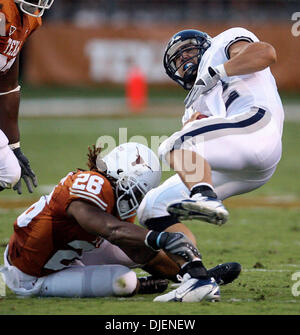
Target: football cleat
x,y
199,207
150,285
225,273
192,290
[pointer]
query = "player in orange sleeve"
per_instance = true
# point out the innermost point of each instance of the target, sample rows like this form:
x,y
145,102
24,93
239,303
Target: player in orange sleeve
x,y
18,20
84,209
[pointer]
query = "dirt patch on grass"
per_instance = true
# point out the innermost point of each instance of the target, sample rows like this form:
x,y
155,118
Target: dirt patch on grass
x,y
13,204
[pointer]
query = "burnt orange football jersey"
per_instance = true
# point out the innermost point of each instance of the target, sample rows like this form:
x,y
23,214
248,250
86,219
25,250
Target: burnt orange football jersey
x,y
45,240
15,28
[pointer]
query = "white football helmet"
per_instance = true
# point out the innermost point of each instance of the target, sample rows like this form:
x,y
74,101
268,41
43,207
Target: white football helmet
x,y
136,169
30,7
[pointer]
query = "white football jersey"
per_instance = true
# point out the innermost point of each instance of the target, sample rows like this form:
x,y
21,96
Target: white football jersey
x,y
236,94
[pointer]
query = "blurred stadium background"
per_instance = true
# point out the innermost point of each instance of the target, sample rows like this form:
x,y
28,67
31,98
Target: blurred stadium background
x,y
89,49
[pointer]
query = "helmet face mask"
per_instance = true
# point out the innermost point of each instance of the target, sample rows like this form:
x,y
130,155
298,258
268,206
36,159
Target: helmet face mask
x,y
183,53
129,196
34,8
135,170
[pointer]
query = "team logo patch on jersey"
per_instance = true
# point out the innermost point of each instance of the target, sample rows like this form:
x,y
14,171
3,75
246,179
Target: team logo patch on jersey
x,y
12,29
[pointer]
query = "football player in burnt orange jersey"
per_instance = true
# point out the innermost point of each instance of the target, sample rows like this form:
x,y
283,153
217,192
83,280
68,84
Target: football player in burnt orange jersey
x,y
84,209
18,20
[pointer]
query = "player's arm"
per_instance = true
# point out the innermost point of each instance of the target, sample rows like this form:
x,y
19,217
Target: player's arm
x,y
246,58
9,103
130,236
97,222
9,114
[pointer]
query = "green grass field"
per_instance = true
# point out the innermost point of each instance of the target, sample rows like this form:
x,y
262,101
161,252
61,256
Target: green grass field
x,y
263,232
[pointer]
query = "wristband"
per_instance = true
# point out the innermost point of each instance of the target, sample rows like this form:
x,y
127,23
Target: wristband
x,y
17,89
152,240
220,69
14,145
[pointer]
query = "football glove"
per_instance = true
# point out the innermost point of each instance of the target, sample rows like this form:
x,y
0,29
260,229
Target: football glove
x,y
26,172
174,243
210,79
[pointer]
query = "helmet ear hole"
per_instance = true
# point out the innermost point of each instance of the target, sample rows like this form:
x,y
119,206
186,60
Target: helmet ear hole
x,y
101,165
120,171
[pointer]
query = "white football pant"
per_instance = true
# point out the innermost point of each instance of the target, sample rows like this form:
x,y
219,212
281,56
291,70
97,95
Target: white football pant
x,y
243,152
90,281
76,281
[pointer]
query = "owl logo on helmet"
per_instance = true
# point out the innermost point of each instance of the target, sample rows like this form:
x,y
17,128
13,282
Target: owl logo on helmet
x,y
136,170
34,8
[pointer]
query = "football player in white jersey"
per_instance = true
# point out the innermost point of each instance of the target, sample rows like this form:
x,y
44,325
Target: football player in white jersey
x,y
230,142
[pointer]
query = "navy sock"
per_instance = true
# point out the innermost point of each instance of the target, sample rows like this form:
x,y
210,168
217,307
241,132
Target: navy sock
x,y
205,190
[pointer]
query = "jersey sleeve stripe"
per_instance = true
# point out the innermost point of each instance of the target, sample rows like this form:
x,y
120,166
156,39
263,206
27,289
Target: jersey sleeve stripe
x,y
237,39
88,197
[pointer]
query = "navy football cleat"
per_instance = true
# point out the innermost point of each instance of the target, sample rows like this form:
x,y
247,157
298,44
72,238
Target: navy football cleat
x,y
225,273
199,207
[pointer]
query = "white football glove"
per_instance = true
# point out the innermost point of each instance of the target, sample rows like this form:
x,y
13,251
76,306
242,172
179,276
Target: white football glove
x,y
210,79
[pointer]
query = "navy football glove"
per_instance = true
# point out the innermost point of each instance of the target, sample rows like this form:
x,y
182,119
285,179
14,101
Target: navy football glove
x,y
26,173
174,243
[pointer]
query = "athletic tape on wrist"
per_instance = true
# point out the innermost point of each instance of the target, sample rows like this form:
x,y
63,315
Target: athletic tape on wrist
x,y
14,145
221,70
17,89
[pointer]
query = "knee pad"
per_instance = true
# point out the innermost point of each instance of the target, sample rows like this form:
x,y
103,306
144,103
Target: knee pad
x,y
90,281
124,281
174,142
164,149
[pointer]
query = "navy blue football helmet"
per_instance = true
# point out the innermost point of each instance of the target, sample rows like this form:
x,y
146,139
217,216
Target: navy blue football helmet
x,y
184,41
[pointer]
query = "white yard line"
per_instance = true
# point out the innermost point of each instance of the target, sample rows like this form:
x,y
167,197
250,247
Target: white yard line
x,y
113,106
267,270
